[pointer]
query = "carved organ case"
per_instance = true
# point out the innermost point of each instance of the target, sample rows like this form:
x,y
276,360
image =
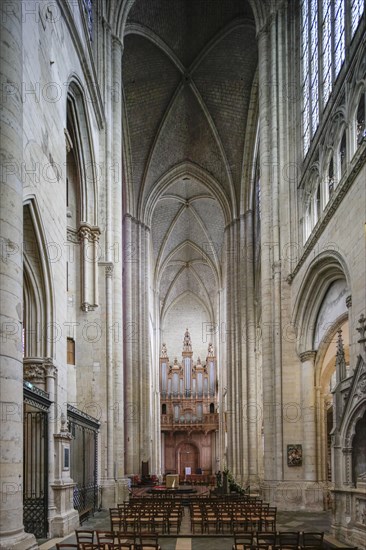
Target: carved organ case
x,y
188,407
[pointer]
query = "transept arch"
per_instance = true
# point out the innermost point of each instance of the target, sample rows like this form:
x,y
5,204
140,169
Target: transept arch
x,y
327,267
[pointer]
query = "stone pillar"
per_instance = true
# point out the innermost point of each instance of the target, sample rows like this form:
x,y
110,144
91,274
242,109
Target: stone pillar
x,y
309,417
12,533
118,366
109,486
252,411
139,427
128,344
109,371
269,396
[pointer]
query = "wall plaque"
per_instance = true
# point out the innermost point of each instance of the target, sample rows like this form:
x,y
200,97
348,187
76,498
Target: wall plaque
x,y
294,455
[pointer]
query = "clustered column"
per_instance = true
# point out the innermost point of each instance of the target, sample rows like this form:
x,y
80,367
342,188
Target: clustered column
x,y
11,281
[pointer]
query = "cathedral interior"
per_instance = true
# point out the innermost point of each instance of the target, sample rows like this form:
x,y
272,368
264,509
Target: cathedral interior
x,y
183,259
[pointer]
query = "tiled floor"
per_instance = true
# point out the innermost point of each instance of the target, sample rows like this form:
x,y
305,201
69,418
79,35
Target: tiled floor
x,y
287,521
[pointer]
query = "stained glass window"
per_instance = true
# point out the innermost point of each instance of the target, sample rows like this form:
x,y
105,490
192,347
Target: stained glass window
x,y
357,9
322,55
305,75
339,36
327,49
88,5
314,67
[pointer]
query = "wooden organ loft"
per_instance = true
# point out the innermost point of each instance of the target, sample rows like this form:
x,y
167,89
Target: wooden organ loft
x,y
189,417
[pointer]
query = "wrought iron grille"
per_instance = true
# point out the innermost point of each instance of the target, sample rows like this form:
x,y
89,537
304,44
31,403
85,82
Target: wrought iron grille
x,y
86,498
83,463
35,472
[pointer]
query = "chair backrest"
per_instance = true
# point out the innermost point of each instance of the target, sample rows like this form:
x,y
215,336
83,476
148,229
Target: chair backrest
x,y
266,539
149,540
243,538
105,539
126,538
289,539
84,535
312,539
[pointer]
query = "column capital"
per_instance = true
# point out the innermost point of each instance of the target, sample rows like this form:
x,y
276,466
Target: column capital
x,y
108,269
117,42
307,356
50,368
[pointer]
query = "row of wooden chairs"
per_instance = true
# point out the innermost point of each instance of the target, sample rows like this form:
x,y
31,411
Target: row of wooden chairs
x,y
231,518
282,540
87,539
162,517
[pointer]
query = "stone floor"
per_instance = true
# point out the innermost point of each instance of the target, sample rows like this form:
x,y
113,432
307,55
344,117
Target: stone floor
x,y
286,521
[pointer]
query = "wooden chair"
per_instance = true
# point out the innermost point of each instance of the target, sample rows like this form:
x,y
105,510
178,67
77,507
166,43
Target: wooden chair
x,y
242,541
211,518
225,519
197,519
266,539
126,541
115,516
289,540
312,540
174,520
85,536
106,540
269,515
148,541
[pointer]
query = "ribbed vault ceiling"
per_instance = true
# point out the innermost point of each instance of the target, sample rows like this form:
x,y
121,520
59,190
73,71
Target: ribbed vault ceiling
x,y
188,71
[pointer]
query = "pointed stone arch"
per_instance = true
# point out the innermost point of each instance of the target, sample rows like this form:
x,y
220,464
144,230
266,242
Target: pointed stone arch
x,y
326,268
89,171
38,285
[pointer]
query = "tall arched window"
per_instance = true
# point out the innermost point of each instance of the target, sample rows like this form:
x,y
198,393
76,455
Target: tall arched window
x,y
343,153
331,179
317,204
323,48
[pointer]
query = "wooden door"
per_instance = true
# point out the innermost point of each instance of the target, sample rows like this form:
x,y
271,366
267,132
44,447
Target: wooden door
x,y
188,457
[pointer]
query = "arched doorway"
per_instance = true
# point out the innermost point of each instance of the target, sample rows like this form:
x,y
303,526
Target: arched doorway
x,y
187,457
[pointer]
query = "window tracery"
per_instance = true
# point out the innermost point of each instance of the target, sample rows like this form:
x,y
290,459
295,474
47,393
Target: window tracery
x,y
322,49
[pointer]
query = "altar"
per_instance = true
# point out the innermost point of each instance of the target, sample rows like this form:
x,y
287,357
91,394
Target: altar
x,y
172,481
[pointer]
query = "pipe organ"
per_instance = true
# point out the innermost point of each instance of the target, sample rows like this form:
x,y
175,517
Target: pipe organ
x,y
189,417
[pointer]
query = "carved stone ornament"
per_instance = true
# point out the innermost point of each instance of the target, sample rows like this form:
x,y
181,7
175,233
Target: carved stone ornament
x,y
210,350
50,369
164,351
68,141
72,236
187,343
109,270
34,372
307,356
361,511
362,330
362,383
